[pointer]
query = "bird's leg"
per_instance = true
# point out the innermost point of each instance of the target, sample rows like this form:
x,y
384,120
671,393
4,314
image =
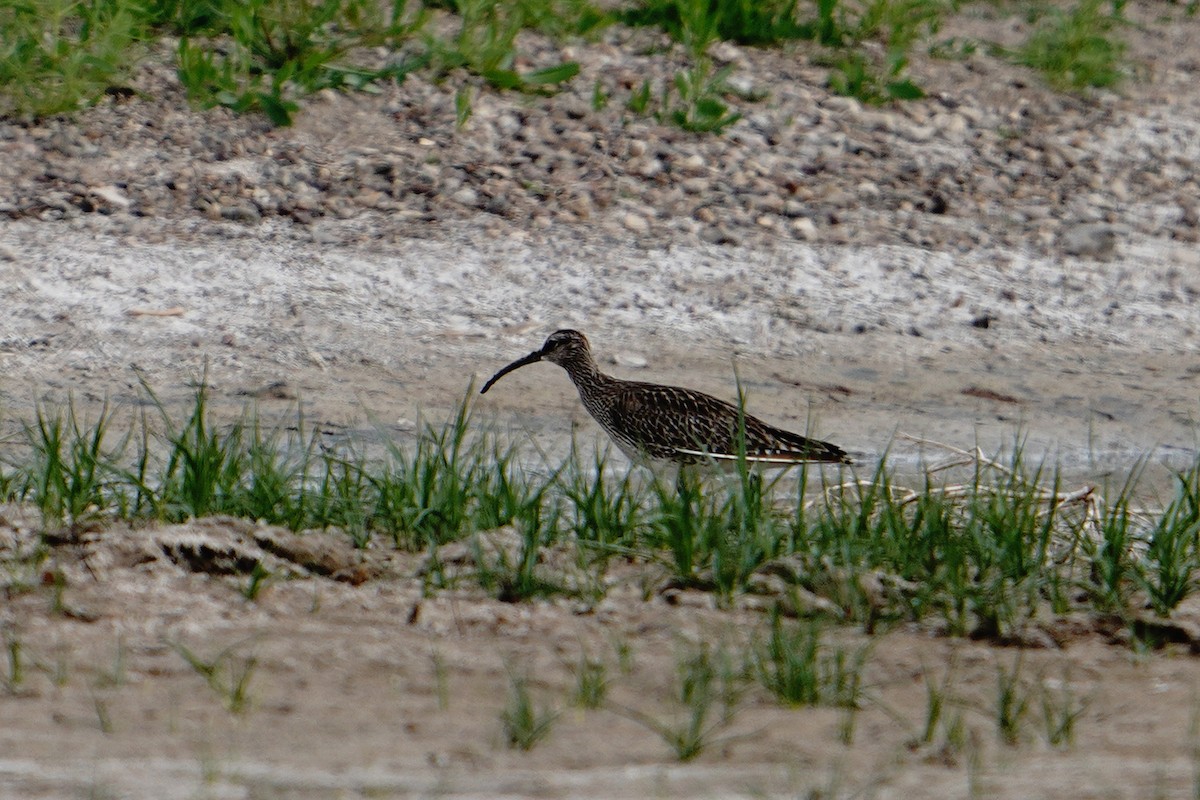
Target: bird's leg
x,y
683,521
685,480
687,491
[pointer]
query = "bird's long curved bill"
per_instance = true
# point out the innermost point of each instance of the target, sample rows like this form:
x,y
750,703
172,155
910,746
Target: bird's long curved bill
x,y
520,362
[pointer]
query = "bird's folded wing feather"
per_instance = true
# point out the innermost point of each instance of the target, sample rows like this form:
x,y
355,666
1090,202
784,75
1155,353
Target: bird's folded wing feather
x,y
669,422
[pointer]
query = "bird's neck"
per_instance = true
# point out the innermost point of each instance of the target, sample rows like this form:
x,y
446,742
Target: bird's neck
x,y
585,374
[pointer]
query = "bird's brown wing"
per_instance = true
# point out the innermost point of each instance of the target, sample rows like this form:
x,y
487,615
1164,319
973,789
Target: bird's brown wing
x,y
686,425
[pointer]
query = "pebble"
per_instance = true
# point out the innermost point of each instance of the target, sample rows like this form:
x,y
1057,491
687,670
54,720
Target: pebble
x,y
648,168
630,360
635,223
952,126
111,195
693,164
1093,240
804,228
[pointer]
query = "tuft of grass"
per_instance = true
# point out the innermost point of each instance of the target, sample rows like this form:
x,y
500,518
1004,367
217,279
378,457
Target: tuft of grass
x,y
751,22
721,532
462,106
704,678
856,75
117,674
103,717
981,553
204,467
259,578
1169,571
1112,567
441,680
59,56
558,19
700,90
69,474
701,108
795,667
603,515
524,724
591,683
873,75
1078,48
227,673
937,694
514,578
424,497
1012,702
1061,710
486,46
14,677
639,99
600,97
262,55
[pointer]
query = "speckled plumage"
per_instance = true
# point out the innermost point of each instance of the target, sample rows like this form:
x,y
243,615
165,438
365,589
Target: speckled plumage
x,y
651,422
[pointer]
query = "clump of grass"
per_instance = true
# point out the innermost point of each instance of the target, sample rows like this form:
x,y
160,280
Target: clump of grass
x,y
59,55
591,683
103,716
514,577
441,679
605,516
228,674
795,667
68,476
14,650
1061,710
704,678
205,467
1078,48
117,674
1013,701
699,90
424,496
937,697
752,22
982,553
263,55
1169,571
558,19
486,46
258,580
876,75
1112,567
719,533
855,74
524,724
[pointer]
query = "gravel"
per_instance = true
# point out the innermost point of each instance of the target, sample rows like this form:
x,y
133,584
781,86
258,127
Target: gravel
x,y
990,159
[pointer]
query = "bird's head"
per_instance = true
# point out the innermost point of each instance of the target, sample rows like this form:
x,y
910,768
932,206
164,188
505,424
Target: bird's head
x,y
563,346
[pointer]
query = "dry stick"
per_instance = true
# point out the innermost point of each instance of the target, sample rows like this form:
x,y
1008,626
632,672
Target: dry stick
x,y
971,456
176,311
